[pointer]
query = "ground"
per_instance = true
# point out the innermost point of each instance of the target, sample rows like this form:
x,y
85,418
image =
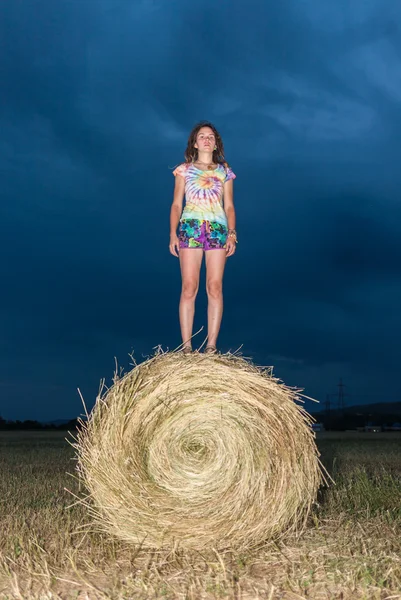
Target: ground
x,y
350,549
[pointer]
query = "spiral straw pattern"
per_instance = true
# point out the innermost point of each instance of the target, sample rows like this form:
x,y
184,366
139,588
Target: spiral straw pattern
x,y
201,451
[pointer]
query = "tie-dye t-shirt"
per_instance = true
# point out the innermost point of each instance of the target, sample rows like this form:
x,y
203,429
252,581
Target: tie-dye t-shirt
x,y
204,192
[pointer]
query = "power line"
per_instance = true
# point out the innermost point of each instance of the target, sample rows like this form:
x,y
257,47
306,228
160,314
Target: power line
x,y
341,396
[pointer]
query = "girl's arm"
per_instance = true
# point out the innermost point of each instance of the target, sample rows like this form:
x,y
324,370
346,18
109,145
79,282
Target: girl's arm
x,y
228,199
176,207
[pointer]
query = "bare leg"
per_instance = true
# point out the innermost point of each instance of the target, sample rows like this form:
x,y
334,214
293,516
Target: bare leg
x,y
190,263
215,263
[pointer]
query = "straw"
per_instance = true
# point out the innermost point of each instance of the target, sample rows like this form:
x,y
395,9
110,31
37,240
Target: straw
x,y
201,451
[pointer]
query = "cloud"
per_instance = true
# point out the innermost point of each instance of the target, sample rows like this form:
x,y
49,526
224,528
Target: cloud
x,y
334,19
379,62
98,99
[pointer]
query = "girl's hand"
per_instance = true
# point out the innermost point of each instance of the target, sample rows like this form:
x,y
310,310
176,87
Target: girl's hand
x,y
230,246
174,244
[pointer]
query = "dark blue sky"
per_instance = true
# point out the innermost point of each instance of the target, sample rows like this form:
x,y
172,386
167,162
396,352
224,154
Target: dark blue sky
x,y
97,99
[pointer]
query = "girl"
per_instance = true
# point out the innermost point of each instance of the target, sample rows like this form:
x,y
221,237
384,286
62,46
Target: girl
x,y
207,224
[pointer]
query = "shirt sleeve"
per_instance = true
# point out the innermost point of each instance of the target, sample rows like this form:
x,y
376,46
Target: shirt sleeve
x,y
229,174
180,170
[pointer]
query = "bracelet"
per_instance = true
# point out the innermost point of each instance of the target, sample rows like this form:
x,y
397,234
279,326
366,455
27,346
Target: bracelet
x,y
232,233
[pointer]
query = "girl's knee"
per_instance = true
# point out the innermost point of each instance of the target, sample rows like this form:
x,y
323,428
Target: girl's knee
x,y
189,289
214,289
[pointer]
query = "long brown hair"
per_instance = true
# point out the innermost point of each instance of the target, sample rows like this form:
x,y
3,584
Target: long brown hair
x,y
191,153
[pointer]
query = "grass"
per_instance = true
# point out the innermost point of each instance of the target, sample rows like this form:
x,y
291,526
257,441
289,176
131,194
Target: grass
x,y
351,548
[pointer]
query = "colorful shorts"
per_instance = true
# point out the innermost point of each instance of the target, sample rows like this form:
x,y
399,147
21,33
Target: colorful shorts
x,y
209,235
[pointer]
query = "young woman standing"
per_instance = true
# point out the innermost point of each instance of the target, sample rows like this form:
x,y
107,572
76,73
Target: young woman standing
x,y
206,225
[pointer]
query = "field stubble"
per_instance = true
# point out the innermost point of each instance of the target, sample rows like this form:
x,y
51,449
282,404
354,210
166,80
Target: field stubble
x,y
351,548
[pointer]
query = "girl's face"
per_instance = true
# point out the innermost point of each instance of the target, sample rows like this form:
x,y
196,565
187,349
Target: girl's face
x,y
205,140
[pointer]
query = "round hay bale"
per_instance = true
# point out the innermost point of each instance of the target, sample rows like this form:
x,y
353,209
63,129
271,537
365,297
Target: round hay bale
x,y
200,451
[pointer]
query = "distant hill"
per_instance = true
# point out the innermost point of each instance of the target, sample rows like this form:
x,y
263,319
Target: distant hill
x,y
378,408
360,415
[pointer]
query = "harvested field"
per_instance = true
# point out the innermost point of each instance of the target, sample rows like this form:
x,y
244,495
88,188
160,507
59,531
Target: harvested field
x,y
350,549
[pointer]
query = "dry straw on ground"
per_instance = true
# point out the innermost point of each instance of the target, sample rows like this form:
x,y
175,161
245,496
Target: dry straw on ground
x,y
201,451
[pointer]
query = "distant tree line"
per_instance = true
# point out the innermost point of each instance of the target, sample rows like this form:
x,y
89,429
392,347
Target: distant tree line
x,y
7,425
338,422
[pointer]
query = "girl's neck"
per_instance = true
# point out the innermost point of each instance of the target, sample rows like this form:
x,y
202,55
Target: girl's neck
x,y
205,157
